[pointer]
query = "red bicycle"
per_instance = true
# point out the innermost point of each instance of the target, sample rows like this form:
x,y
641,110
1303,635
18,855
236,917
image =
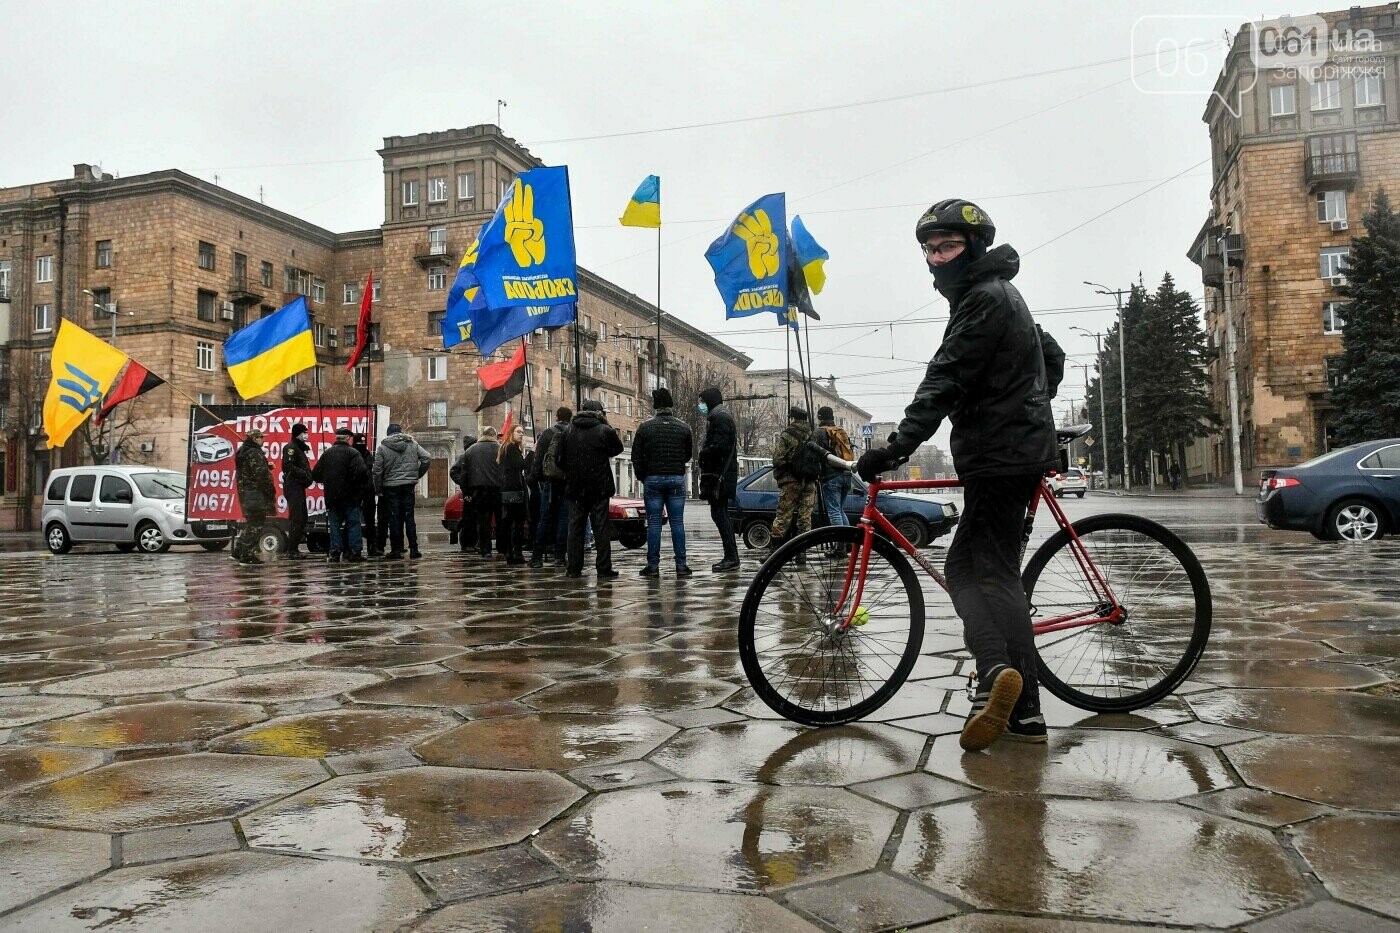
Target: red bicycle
x,y
833,622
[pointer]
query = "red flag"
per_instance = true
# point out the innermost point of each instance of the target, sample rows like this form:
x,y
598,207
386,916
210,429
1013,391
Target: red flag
x,y
138,380
502,381
362,332
505,428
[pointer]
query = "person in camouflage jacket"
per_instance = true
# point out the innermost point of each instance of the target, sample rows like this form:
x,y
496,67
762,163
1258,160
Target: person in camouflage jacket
x,y
796,497
256,495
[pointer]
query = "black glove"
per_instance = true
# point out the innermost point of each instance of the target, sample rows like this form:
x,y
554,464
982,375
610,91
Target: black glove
x,y
876,461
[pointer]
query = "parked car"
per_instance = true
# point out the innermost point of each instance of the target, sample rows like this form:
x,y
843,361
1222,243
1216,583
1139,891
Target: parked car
x,y
921,519
128,507
1352,493
1071,482
629,518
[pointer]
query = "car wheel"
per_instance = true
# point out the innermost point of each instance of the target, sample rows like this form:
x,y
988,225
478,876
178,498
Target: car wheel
x,y
757,535
1354,520
271,542
1081,495
632,539
126,547
150,539
58,539
214,545
913,528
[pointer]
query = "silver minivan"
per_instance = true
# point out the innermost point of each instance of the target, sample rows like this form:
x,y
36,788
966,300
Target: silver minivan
x,y
129,507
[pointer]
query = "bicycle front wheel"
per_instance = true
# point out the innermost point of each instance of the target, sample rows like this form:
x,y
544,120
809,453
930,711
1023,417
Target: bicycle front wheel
x,y
1116,667
794,653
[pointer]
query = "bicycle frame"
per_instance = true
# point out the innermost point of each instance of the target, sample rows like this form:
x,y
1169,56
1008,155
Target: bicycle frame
x,y
872,519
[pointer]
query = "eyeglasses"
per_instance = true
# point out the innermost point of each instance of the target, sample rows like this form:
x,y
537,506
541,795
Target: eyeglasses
x,y
947,248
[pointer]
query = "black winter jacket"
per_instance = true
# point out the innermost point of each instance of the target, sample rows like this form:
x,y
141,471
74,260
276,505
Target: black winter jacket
x,y
512,469
481,466
342,471
720,452
590,443
296,468
662,446
993,377
547,437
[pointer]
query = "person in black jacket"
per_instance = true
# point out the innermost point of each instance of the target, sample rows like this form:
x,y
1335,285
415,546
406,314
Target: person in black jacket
x,y
466,521
661,452
481,476
296,477
719,471
993,377
374,529
589,445
552,532
342,471
256,497
510,527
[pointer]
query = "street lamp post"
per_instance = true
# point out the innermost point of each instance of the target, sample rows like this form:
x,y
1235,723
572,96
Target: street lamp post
x,y
1103,413
112,312
1118,294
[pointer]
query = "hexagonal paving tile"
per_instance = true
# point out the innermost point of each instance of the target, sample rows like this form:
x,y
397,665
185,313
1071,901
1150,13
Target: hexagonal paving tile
x,y
1355,857
529,660
666,663
1086,763
1336,770
1049,856
1298,675
337,732
1300,712
1006,923
720,836
284,686
38,861
30,672
415,813
23,767
160,791
137,680
1255,806
630,695
1278,648
786,753
551,741
25,709
382,656
213,895
615,908
170,723
130,650
249,656
450,689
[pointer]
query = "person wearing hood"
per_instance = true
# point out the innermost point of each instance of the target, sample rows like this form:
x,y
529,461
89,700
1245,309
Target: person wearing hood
x,y
719,471
481,476
993,378
399,462
296,477
341,471
661,453
256,497
585,456
371,522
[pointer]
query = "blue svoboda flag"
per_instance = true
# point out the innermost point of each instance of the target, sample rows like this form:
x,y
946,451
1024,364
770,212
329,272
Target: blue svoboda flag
x,y
750,260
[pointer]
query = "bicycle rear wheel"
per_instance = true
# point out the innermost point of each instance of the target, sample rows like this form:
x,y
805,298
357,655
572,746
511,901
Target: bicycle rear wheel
x,y
1116,667
792,659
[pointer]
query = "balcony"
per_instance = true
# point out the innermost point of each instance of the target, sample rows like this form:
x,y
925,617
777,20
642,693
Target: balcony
x,y
244,291
434,253
1332,170
1212,271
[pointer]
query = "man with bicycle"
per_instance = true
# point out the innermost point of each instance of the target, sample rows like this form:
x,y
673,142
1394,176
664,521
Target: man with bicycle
x,y
993,377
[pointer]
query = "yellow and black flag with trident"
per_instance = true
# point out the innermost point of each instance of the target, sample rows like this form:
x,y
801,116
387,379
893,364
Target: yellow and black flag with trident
x,y
83,369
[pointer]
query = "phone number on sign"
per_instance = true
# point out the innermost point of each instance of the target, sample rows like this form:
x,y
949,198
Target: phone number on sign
x,y
214,502
214,479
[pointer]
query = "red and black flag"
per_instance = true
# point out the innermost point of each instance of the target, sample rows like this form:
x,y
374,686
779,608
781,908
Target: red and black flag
x,y
138,381
362,330
502,381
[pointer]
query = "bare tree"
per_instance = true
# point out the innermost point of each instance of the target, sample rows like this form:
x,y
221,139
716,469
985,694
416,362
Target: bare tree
x,y
29,381
121,426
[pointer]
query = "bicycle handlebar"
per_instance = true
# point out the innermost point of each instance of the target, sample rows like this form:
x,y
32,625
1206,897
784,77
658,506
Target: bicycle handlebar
x,y
850,465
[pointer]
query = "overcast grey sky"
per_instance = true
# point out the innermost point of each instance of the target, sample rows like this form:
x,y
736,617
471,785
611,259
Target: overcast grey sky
x,y
297,97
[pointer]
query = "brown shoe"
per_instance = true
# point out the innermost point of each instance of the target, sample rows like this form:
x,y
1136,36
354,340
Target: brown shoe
x,y
991,708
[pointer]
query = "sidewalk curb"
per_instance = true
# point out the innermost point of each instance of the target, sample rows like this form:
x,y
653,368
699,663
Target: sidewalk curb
x,y
1244,497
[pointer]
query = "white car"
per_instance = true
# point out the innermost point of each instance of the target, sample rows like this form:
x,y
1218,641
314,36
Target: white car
x,y
210,448
128,507
1072,482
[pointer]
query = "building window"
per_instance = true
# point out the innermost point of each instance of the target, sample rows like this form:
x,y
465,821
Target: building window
x,y
628,369
101,304
466,186
318,378
435,319
437,278
1283,100
504,185
410,194
4,278
318,291
362,376
43,269
348,294
549,380
588,360
291,385
1334,371
1368,91
43,319
267,275
1332,317
204,356
1332,261
602,365
437,368
1331,205
206,310
588,322
206,255
104,254
375,295
1327,95
437,190
602,330
206,398
296,281
437,414
266,311
318,333
437,241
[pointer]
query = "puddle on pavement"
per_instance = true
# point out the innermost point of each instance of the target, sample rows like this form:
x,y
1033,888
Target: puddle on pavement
x,y
1355,857
130,650
630,695
541,660
1300,712
1302,675
337,732
340,634
283,686
785,753
549,741
31,672
1337,770
450,689
143,724
667,663
382,656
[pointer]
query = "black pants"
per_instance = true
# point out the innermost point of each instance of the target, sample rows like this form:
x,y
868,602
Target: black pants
x,y
719,514
466,522
486,505
373,529
984,577
510,528
296,517
399,502
552,528
580,514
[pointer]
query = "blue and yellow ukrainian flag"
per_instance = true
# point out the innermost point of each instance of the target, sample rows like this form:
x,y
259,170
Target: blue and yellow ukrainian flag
x,y
644,210
271,350
810,256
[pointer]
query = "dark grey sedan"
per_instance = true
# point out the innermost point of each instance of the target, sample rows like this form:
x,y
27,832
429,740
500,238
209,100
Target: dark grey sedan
x,y
1351,494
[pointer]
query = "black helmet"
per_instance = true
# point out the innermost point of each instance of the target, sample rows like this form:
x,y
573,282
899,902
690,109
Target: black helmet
x,y
956,214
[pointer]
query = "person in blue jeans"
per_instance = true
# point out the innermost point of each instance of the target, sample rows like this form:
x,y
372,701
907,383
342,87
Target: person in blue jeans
x,y
661,452
836,484
343,474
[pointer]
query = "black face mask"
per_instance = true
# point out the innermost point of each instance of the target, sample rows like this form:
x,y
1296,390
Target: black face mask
x,y
953,273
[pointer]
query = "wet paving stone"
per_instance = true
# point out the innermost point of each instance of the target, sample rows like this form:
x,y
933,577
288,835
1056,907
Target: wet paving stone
x,y
137,681
36,861
912,791
1300,712
170,842
32,672
467,876
284,686
1255,806
548,741
143,724
527,659
628,695
667,663
1355,857
448,690
876,901
25,767
383,656
1234,872
720,836
213,895
1207,733
34,644
23,710
1335,770
341,634
1301,675
1324,917
130,650
622,774
413,814
160,791
248,656
774,753
1385,645
1006,923
471,637
337,732
615,908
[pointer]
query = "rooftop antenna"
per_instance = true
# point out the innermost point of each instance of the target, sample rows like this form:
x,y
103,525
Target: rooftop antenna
x,y
499,105
216,178
260,195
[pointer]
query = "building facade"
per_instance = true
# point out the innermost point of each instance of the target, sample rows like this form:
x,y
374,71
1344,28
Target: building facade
x,y
1297,158
179,264
766,408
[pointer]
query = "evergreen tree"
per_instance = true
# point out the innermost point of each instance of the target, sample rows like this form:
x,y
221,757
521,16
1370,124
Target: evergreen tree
x,y
1368,390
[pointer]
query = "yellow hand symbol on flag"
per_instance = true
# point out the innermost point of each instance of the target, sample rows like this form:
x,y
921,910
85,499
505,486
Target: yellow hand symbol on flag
x,y
524,231
756,230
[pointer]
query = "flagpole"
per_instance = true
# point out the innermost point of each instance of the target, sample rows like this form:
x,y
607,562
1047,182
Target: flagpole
x,y
578,379
658,302
810,400
787,339
530,392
